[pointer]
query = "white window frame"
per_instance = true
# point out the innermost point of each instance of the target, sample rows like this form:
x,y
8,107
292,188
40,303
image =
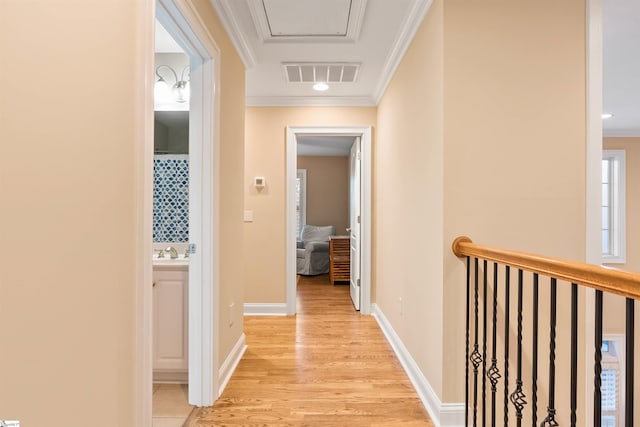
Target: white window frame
x,y
617,209
302,175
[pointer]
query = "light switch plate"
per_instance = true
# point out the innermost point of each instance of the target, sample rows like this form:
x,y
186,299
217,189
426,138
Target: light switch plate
x,y
248,216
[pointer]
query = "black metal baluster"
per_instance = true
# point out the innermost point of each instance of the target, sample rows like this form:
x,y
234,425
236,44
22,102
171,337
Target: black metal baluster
x,y
550,420
628,392
484,344
574,352
494,372
476,358
518,397
466,393
597,365
506,345
534,367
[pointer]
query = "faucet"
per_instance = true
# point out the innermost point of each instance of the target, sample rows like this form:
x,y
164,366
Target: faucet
x,y
172,252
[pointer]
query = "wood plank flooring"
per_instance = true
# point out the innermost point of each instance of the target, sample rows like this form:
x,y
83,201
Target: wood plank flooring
x,y
326,366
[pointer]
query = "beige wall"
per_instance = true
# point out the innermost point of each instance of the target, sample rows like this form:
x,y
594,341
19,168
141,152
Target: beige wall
x,y
67,259
327,191
408,199
264,238
232,110
514,125
465,89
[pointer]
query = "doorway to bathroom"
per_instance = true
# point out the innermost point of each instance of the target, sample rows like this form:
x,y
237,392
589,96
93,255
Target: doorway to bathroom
x,y
185,219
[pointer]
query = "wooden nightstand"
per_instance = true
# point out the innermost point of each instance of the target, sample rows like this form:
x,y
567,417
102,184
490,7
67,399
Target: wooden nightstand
x,y
339,259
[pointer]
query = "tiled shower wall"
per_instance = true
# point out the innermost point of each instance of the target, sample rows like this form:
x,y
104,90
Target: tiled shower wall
x,y
171,198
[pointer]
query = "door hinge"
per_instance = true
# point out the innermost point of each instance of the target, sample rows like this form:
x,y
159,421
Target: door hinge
x,y
192,248
358,219
358,281
358,155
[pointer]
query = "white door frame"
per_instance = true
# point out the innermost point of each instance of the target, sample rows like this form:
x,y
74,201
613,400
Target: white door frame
x,y
364,132
593,198
183,22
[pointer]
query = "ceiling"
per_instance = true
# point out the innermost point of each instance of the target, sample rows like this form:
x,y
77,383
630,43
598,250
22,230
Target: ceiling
x,y
373,35
621,67
325,145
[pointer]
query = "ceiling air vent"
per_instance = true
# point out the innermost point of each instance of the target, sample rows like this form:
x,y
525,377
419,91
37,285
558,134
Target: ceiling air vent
x,y
321,72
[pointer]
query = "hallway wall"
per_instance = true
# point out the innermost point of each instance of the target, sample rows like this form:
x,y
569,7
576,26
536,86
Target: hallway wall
x,y
232,118
481,133
69,220
265,148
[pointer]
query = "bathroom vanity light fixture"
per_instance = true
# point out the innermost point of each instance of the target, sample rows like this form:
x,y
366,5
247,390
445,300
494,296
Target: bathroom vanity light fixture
x,y
180,91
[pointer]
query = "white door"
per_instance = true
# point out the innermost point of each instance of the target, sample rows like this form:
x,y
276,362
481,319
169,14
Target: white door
x,y
354,212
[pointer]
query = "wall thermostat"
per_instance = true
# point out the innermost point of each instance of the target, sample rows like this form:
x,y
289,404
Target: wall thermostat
x,y
259,181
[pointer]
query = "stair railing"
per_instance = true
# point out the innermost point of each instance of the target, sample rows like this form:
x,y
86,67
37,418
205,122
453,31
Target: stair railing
x,y
482,363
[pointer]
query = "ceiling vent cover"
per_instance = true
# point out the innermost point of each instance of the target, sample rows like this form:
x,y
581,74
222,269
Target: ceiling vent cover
x,y
321,72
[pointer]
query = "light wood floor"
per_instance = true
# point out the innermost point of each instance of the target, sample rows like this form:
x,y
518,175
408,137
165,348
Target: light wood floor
x,y
326,366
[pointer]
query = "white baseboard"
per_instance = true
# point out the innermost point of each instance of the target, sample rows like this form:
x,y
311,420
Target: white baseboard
x,y
231,362
269,309
442,414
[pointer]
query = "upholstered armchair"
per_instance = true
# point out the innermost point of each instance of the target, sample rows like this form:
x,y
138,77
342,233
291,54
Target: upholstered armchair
x,y
312,254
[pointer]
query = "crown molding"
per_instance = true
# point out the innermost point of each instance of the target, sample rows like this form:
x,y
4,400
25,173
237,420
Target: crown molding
x,y
308,101
409,28
231,26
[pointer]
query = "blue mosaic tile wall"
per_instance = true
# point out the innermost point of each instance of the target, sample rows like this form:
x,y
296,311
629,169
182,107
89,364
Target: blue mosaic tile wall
x,y
171,198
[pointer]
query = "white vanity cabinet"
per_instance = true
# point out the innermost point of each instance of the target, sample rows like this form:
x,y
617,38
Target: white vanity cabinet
x,y
170,323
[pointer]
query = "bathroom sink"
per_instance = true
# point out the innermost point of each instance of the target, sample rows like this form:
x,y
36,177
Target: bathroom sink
x,y
181,260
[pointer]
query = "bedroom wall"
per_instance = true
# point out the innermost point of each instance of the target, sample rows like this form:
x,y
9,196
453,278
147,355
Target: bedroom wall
x,y
327,191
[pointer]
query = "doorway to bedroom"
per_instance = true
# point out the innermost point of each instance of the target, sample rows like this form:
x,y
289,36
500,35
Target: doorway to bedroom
x,y
328,210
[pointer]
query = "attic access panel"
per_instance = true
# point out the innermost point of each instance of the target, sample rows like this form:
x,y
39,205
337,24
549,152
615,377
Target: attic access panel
x,y
307,18
301,21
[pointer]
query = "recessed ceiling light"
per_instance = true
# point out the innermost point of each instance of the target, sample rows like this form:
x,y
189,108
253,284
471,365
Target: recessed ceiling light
x,y
607,115
320,86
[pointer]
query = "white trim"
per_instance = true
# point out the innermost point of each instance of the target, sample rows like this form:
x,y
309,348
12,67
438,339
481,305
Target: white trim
x,y
409,27
618,206
231,26
181,19
593,233
268,309
143,152
305,101
364,132
442,414
231,363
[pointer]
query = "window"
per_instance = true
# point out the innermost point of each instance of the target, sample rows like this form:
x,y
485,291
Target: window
x,y
613,207
612,382
301,200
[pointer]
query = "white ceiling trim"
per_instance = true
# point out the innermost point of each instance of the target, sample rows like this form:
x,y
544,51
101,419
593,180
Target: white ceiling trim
x,y
235,33
259,17
409,27
306,101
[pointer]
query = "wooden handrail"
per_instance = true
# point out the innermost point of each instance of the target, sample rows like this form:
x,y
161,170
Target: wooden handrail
x,y
605,279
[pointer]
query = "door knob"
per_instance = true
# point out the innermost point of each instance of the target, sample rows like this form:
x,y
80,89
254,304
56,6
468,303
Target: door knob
x,y
348,229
